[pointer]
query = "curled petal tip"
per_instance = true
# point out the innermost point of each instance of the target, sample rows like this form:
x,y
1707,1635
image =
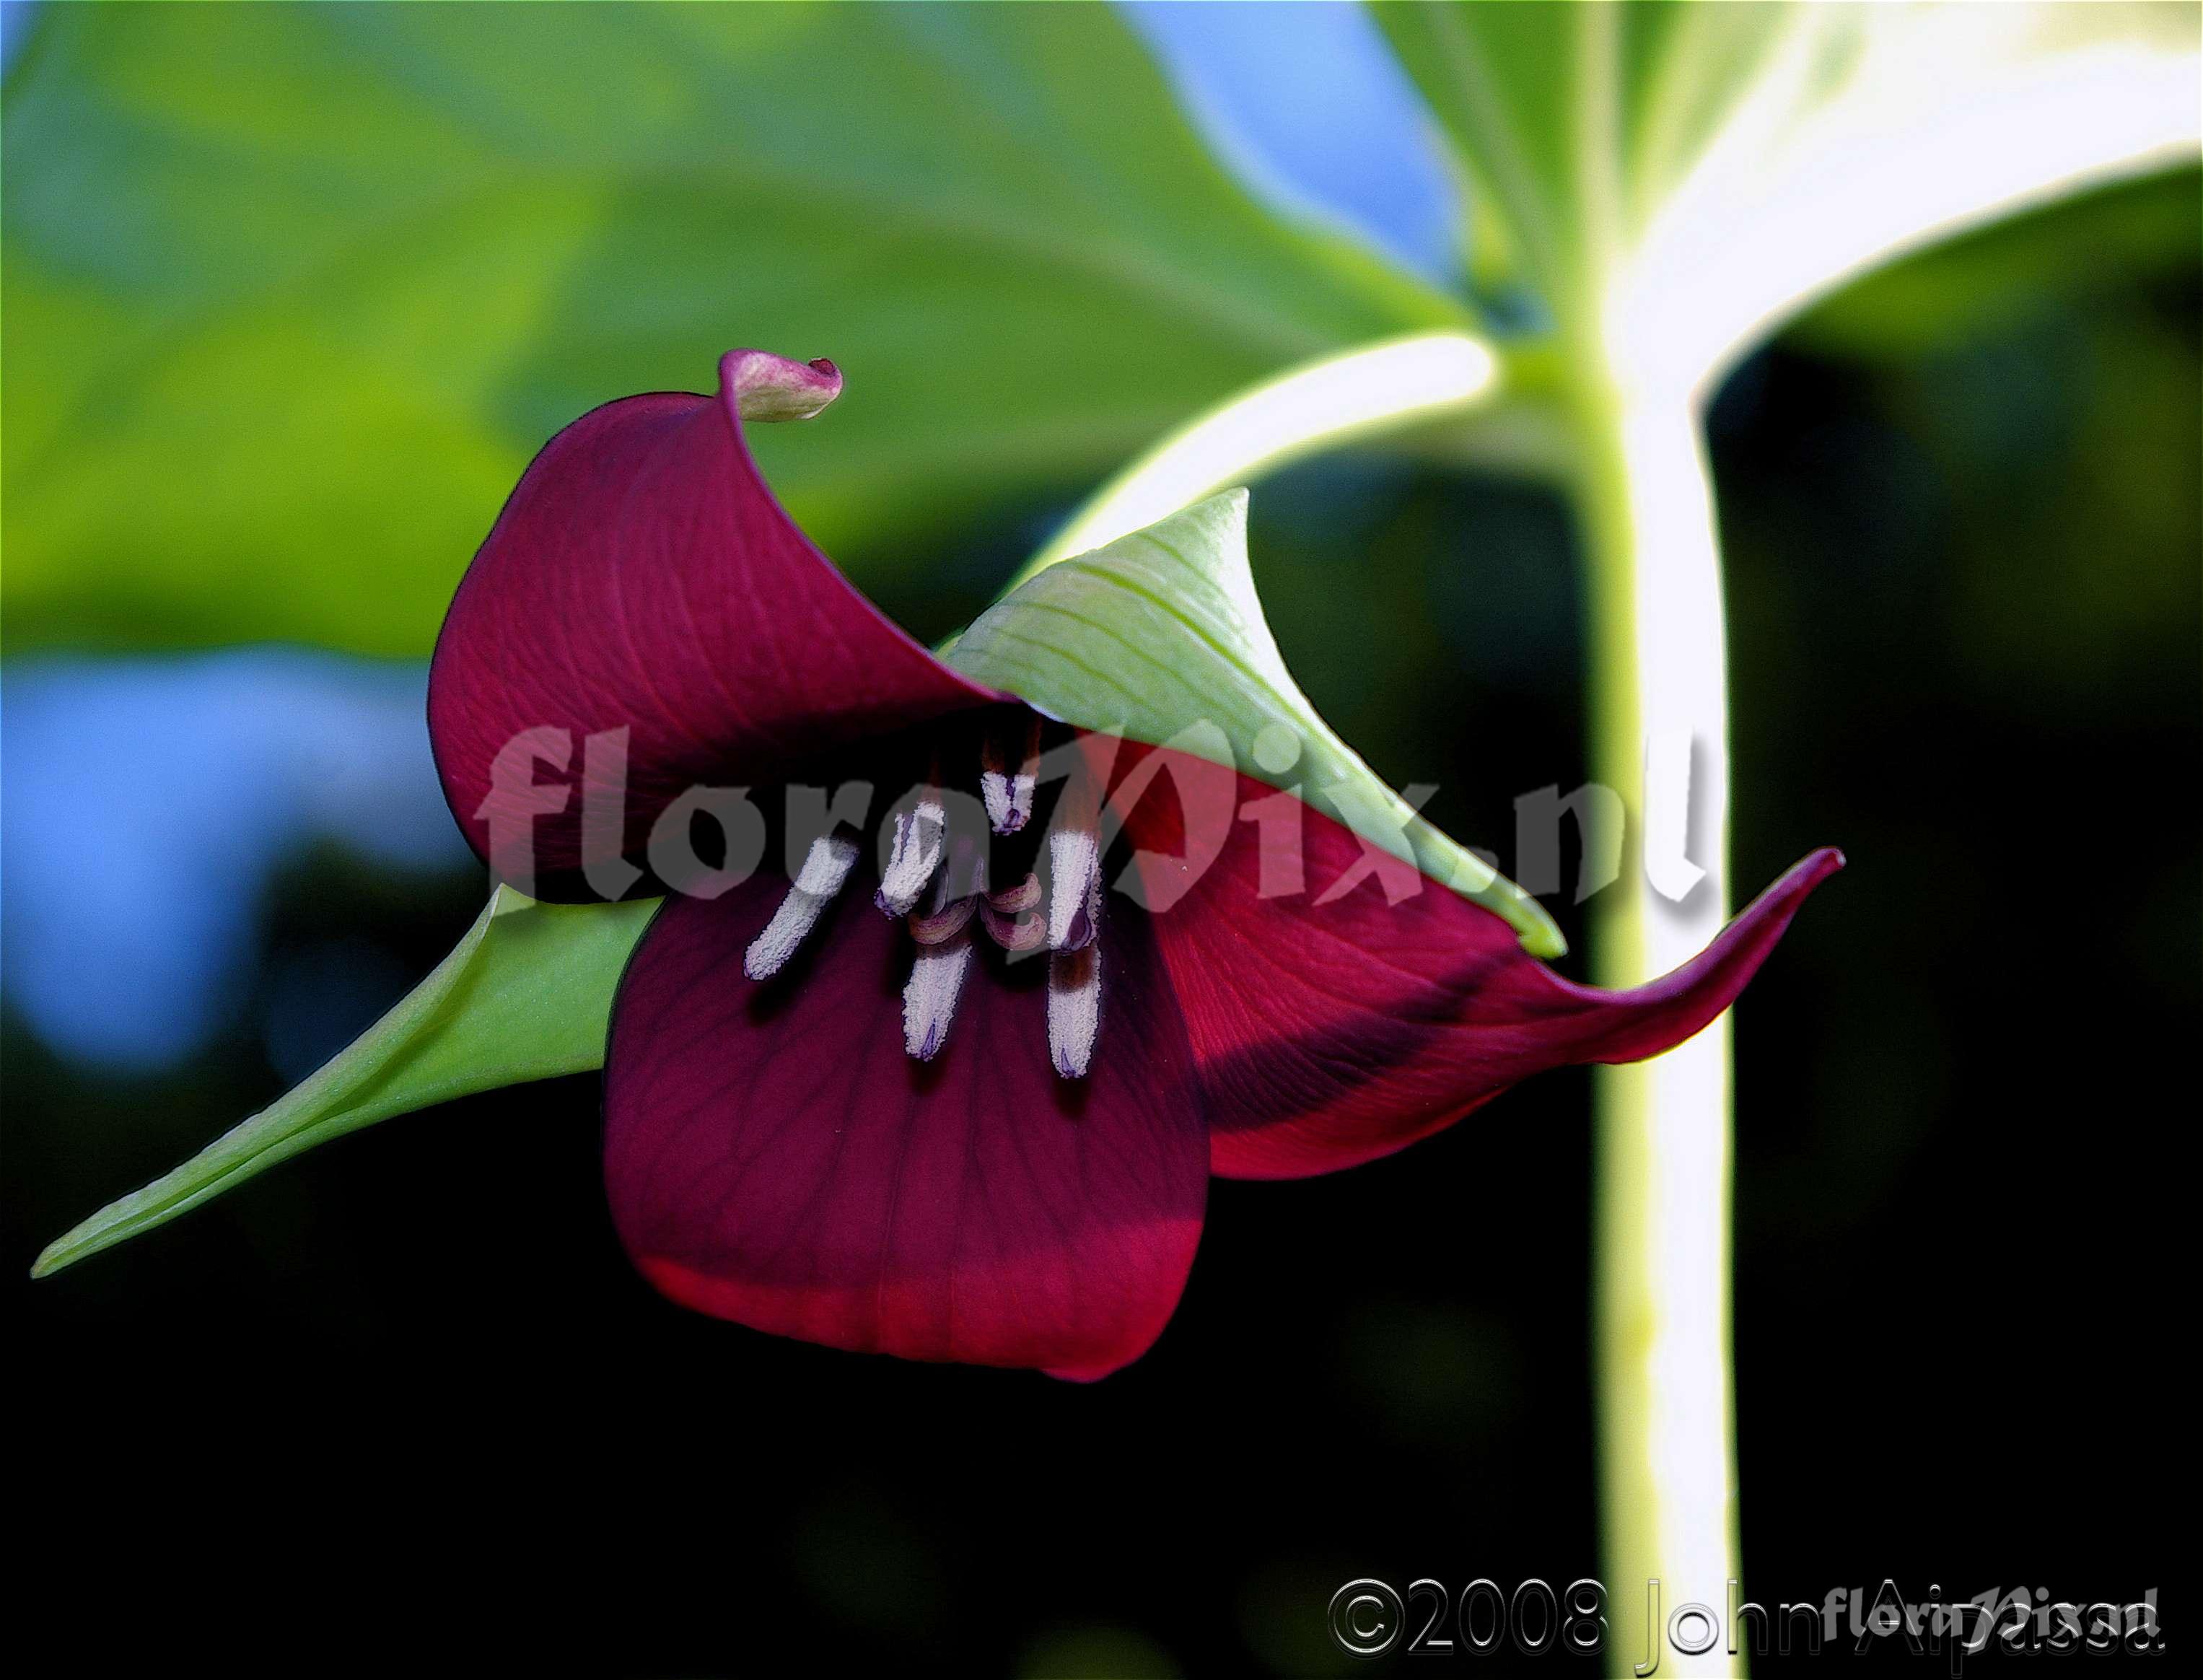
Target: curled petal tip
x,y
1367,1025
1808,873
1630,1026
762,386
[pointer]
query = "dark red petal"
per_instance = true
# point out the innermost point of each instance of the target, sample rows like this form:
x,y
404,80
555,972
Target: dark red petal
x,y
774,1157
1331,1034
642,577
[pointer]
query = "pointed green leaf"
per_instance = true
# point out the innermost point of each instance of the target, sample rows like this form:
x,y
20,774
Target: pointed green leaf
x,y
1162,630
525,995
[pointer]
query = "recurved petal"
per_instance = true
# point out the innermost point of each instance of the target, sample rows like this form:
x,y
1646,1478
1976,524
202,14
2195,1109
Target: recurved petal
x,y
1330,1030
774,1157
642,578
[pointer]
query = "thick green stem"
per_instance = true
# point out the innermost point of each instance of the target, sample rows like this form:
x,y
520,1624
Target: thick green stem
x,y
1666,1413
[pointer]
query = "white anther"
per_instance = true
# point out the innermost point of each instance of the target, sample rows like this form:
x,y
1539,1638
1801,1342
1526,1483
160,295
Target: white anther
x,y
999,792
920,829
929,997
1074,1009
1007,788
825,867
1074,866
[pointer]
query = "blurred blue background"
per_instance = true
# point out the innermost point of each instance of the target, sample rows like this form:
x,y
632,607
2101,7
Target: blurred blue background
x,y
151,803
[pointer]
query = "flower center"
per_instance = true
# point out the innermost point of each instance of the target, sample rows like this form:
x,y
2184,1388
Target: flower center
x,y
936,880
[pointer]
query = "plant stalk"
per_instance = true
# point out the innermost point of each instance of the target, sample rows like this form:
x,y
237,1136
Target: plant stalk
x,y
1662,1309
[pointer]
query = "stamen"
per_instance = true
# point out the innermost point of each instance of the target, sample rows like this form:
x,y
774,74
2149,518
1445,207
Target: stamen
x,y
1074,1009
1016,933
825,867
915,852
1074,865
1006,786
944,935
1012,900
928,998
942,925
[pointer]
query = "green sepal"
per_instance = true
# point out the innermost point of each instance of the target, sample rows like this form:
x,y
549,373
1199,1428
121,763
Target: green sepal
x,y
525,995
1161,630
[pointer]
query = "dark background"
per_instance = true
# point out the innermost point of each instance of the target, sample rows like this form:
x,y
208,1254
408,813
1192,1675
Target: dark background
x,y
401,1404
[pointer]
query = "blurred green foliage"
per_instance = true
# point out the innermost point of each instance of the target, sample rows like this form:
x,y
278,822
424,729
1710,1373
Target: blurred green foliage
x,y
1715,167
1514,86
292,293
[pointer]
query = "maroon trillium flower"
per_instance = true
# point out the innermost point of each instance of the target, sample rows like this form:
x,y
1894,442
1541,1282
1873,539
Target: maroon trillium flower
x,y
887,1132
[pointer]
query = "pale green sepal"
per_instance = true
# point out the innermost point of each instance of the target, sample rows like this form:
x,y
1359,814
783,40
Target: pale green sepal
x,y
1162,630
525,995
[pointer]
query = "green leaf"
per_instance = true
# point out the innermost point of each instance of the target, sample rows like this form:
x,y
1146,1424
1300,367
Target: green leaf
x,y
292,293
525,995
1162,630
1506,82
1681,179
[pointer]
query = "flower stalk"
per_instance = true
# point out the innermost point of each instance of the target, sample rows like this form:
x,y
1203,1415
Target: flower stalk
x,y
1662,1330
